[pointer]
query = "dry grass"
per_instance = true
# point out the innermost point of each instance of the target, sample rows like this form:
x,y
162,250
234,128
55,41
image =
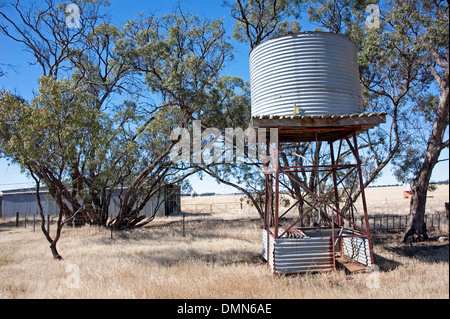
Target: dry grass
x,y
218,258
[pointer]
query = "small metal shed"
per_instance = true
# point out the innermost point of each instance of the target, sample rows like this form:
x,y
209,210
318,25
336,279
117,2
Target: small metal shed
x,y
24,201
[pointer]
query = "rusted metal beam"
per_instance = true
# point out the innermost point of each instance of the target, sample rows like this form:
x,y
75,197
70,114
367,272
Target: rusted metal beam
x,y
273,182
363,196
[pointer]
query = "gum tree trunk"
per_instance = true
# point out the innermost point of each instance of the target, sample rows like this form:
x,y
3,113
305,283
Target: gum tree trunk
x,y
416,230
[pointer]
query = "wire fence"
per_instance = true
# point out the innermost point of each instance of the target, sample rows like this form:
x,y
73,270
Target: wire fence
x,y
376,223
400,222
215,207
387,223
32,221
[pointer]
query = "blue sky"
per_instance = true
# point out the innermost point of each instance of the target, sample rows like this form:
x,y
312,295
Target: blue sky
x,y
23,78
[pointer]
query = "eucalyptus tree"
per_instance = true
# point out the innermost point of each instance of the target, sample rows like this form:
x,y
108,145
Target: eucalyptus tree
x,y
107,102
181,58
259,20
43,136
38,135
403,57
421,27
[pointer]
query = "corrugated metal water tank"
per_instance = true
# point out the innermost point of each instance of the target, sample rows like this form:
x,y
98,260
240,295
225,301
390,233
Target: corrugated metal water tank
x,y
309,73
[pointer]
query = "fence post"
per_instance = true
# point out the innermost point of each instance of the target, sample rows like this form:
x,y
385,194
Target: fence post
x,y
48,223
34,222
184,234
17,219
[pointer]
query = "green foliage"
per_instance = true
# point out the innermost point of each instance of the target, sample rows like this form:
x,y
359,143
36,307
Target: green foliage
x,y
97,129
257,21
181,57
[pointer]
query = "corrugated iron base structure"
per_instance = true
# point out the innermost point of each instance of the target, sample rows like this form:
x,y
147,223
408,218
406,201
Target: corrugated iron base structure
x,y
314,252
341,230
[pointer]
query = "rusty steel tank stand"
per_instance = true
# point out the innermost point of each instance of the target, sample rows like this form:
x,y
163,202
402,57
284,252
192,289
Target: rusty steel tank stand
x,y
342,227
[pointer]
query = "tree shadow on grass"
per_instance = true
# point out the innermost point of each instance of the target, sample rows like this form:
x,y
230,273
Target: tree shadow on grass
x,y
431,251
426,252
8,225
223,258
196,230
385,264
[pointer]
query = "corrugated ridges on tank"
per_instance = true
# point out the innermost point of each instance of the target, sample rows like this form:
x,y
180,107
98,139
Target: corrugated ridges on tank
x,y
315,71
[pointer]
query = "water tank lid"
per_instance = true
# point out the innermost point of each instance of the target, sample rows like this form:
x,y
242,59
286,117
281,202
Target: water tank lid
x,y
294,34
